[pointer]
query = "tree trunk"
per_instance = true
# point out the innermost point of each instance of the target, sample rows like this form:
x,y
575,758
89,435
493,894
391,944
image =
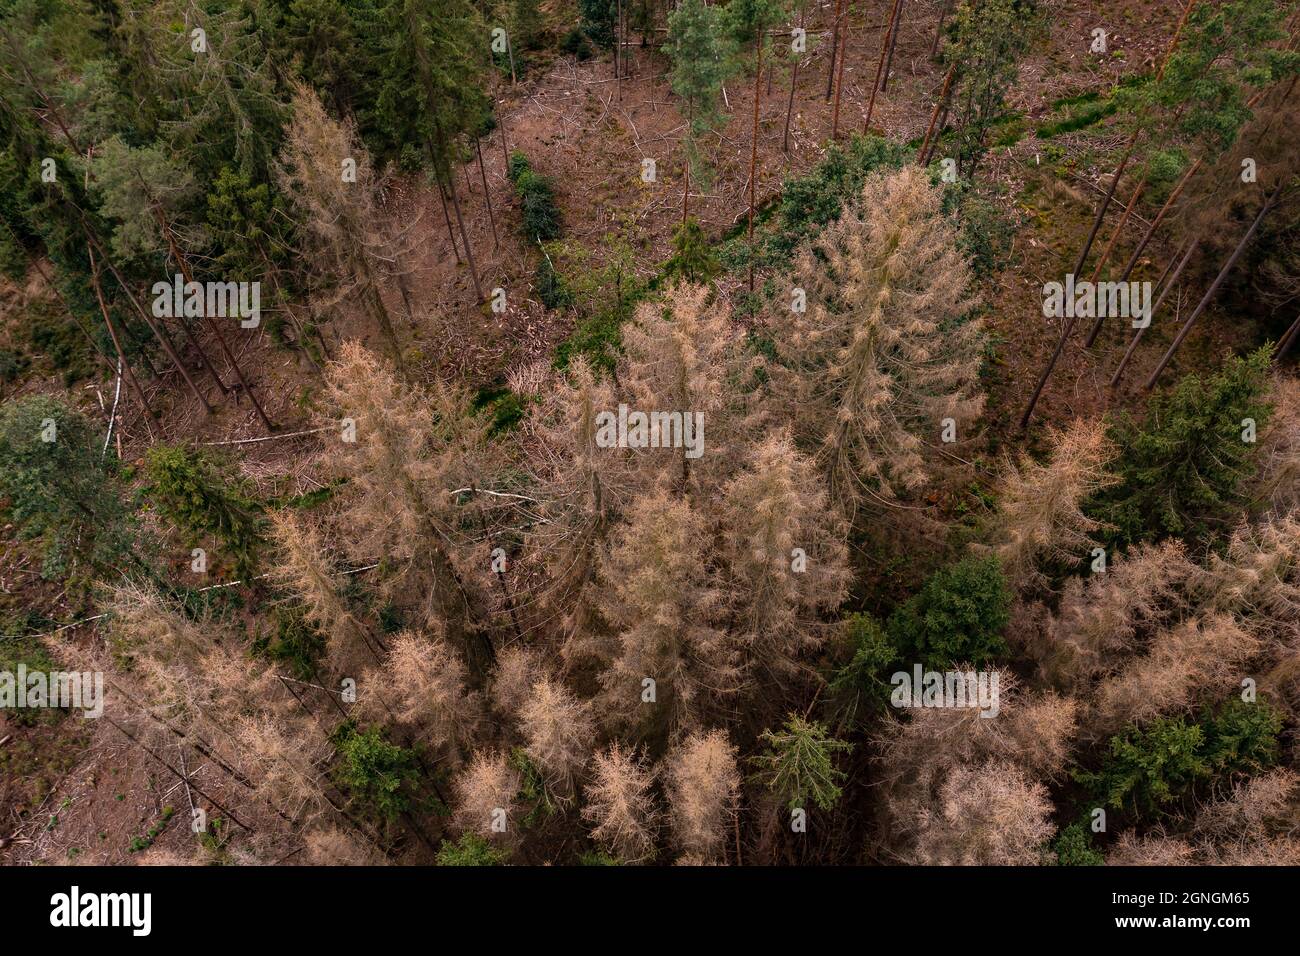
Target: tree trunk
x,y
1183,256
880,66
1105,255
934,116
487,196
117,344
893,42
1264,210
835,47
839,75
753,151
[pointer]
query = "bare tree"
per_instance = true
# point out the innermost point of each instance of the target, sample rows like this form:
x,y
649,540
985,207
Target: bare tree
x,y
703,783
620,804
884,351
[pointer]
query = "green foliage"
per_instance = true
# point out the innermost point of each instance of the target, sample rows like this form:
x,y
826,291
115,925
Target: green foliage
x,y
141,843
470,850
53,333
16,649
1182,469
430,79
598,858
575,43
62,492
699,49
986,233
799,764
692,259
810,202
504,406
862,682
957,617
986,40
200,496
1073,847
292,641
596,17
247,223
604,297
1227,51
550,285
379,775
532,788
541,217
1149,769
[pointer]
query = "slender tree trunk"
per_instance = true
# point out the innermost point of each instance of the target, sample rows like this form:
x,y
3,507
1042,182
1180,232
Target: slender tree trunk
x,y
451,236
1160,217
165,342
1105,255
934,115
464,238
835,48
880,66
487,195
1284,344
789,107
894,30
839,74
117,344
1269,203
938,32
753,151
1183,256
216,329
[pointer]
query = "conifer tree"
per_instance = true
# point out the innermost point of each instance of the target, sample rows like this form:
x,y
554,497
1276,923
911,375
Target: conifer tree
x,y
703,783
884,350
484,790
1184,468
660,601
413,448
988,37
327,176
786,558
798,764
699,48
620,804
430,88
1041,519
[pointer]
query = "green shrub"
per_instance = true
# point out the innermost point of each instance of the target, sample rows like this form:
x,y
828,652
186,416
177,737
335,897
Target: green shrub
x,y
957,617
1073,847
292,641
863,682
29,652
200,496
64,492
379,775
470,850
575,43
692,259
550,285
1150,769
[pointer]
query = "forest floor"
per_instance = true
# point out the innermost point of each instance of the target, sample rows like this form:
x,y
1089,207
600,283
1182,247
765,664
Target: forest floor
x,y
589,133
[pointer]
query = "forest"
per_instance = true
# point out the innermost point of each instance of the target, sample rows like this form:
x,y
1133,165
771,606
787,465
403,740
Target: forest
x,y
649,432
